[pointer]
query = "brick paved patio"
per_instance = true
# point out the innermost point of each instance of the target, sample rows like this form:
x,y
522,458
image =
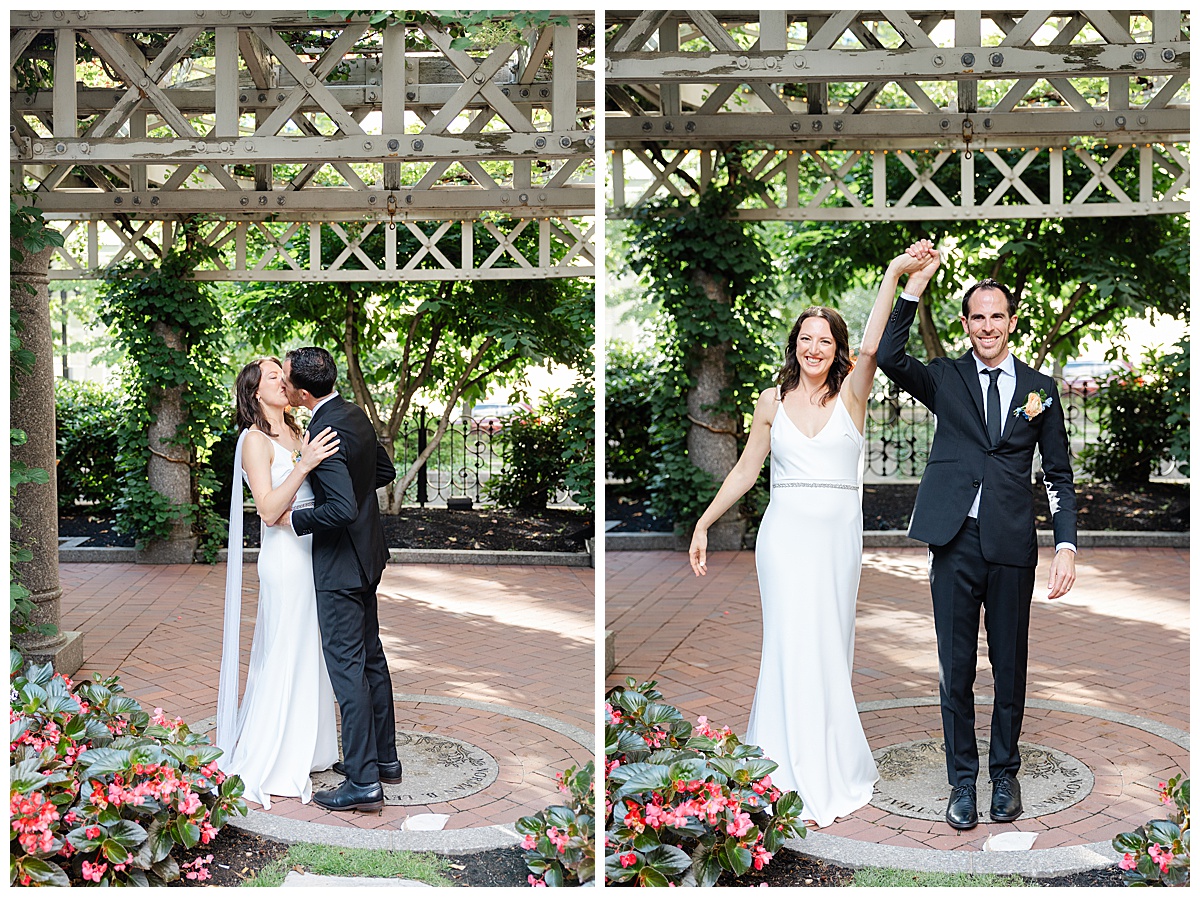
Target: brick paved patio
x,y
1119,641
515,638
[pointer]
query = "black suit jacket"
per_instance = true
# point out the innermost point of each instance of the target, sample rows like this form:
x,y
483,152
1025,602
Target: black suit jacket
x,y
349,549
962,456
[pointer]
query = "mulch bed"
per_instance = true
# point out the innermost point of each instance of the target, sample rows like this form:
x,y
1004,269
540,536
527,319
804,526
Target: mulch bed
x,y
480,528
1155,507
788,869
238,855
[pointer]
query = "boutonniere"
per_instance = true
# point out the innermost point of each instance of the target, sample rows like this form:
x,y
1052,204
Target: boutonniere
x,y
1035,404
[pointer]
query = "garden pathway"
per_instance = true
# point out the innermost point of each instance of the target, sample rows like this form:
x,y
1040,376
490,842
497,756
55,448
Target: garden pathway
x,y
499,657
1108,673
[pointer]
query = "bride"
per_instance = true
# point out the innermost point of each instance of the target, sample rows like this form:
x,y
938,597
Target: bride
x,y
285,727
809,555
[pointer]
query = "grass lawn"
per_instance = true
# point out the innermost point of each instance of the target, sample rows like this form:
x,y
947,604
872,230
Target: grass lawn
x,y
902,878
319,859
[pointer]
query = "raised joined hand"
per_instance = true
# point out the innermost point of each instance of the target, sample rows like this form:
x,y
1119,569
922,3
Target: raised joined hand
x,y
314,451
927,259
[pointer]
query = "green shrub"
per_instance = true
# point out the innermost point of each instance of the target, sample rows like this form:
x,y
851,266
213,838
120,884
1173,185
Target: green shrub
x,y
1144,416
87,417
629,378
578,440
536,466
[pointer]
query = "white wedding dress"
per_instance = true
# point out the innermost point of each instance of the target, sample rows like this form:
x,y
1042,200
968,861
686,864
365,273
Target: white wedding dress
x,y
285,727
809,556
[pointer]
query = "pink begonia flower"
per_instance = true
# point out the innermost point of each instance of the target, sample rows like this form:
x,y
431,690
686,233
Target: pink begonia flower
x,y
1127,862
94,872
535,882
628,859
529,843
740,825
1161,857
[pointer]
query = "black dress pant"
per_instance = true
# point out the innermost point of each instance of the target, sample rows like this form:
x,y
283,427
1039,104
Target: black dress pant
x,y
361,682
961,582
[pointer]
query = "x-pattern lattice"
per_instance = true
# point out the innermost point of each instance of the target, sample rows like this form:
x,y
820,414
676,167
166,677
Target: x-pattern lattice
x,y
483,249
974,107
837,184
226,116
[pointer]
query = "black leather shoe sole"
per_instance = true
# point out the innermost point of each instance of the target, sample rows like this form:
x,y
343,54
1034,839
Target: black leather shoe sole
x,y
387,780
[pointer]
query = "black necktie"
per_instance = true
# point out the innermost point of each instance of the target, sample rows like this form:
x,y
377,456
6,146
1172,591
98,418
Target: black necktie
x,y
993,406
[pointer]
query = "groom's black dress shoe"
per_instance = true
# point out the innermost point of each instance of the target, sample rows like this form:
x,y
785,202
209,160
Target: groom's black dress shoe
x,y
349,796
960,812
389,773
1006,799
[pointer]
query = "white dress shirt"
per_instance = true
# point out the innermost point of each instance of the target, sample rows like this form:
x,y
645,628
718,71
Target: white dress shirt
x,y
1007,384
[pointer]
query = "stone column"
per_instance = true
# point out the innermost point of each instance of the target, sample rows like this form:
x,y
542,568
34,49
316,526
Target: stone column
x,y
169,471
36,504
712,443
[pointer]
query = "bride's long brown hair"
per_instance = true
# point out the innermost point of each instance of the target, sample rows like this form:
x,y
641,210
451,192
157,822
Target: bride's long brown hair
x,y
249,410
788,377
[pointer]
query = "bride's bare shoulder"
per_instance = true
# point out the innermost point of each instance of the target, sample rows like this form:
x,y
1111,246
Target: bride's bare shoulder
x,y
768,397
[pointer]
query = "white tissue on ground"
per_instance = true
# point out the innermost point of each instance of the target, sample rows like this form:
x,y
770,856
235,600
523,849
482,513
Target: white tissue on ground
x,y
424,822
1010,841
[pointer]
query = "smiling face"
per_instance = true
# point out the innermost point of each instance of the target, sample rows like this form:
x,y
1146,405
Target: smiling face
x,y
988,325
272,387
815,348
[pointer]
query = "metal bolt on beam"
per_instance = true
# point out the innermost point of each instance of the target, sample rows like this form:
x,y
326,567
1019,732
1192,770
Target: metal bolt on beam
x,y
968,59
418,145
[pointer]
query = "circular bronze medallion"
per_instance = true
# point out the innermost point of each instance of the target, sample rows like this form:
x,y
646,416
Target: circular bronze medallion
x,y
436,769
912,780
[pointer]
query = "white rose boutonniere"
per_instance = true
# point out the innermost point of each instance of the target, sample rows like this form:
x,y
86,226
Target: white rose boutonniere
x,y
1035,404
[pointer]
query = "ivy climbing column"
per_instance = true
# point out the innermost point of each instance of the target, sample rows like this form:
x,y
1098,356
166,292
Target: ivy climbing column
x,y
36,504
169,470
712,439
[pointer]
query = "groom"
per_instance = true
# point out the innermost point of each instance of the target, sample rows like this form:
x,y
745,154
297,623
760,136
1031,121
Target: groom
x,y
975,510
349,554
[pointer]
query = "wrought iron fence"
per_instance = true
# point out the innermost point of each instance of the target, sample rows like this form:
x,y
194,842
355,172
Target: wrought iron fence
x,y
469,454
899,430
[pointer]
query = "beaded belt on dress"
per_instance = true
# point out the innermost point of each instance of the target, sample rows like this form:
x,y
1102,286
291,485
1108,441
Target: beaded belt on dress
x,y
809,484
307,503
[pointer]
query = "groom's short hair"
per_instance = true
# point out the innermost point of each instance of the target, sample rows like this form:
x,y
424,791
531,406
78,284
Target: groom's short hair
x,y
989,284
312,368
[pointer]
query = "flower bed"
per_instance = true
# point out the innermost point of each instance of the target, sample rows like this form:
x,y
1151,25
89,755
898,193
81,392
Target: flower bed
x,y
683,802
560,841
100,791
1159,852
